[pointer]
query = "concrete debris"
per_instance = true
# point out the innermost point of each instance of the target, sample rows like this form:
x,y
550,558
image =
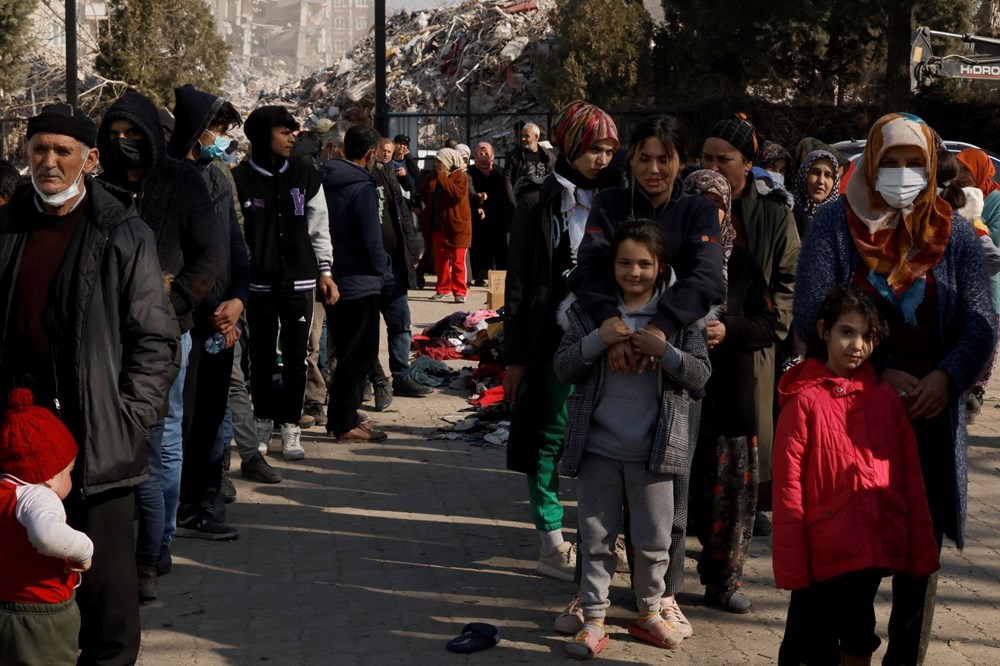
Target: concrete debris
x,y
46,83
434,59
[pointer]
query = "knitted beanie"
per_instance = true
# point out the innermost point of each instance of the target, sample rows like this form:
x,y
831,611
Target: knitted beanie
x,y
34,444
579,126
64,119
741,133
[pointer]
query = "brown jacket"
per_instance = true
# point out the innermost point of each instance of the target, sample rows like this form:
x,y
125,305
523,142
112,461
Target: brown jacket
x,y
456,214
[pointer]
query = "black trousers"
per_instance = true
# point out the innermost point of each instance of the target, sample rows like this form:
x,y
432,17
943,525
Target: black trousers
x,y
489,247
913,597
109,605
354,325
832,615
206,394
267,314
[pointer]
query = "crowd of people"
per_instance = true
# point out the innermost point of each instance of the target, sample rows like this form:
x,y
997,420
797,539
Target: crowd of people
x,y
659,319
696,344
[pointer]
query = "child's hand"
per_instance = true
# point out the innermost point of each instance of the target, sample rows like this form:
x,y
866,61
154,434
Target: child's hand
x,y
77,567
613,331
650,344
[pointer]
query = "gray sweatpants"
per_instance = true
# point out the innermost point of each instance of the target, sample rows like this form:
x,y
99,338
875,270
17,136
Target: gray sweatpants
x,y
244,428
603,485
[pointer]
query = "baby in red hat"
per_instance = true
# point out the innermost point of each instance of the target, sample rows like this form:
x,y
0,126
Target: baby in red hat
x,y
42,557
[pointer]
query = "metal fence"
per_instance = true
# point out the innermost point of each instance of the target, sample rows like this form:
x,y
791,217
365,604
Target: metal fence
x,y
430,131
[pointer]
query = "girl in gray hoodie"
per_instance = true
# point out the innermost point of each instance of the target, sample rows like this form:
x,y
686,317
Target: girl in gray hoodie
x,y
627,434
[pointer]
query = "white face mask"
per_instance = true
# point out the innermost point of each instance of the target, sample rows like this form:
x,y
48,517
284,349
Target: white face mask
x,y
901,187
777,178
59,198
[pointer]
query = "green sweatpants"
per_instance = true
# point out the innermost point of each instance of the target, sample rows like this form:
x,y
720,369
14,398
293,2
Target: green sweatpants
x,y
32,634
543,483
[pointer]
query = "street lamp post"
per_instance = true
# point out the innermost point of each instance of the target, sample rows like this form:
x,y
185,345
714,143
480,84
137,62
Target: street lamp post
x,y
71,52
381,112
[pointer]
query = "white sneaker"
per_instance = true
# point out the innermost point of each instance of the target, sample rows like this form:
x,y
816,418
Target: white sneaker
x,y
671,612
291,447
560,563
265,429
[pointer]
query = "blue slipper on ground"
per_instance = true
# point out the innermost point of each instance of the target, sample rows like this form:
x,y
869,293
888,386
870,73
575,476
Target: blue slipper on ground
x,y
475,636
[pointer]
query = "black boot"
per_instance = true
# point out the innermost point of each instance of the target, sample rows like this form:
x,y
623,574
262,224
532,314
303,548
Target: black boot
x,y
147,582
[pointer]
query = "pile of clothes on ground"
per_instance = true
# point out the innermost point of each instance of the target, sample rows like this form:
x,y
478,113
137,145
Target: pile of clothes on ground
x,y
463,335
475,336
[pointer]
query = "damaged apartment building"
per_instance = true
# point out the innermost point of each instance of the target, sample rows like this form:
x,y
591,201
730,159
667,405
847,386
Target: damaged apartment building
x,y
296,36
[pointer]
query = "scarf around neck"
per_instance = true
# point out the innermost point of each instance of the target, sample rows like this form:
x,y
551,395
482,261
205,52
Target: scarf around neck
x,y
898,246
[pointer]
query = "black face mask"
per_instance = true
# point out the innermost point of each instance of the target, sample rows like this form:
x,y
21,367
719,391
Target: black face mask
x,y
129,152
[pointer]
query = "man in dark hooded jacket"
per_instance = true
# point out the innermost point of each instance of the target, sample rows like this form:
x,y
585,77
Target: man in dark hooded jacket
x,y
172,198
202,123
288,233
361,266
206,386
67,241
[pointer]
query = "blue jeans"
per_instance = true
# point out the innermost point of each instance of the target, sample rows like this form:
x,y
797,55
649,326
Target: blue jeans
x,y
395,308
157,497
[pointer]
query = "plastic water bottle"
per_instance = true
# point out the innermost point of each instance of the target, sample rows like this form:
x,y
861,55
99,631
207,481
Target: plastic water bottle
x,y
216,343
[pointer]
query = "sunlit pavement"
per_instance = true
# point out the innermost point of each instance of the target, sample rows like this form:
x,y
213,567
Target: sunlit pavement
x,y
379,554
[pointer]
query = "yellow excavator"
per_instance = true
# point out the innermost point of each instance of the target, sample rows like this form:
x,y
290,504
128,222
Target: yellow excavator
x,y
981,63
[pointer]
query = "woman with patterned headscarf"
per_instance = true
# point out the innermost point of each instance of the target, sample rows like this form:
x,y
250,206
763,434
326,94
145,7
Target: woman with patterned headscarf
x,y
765,226
548,224
817,183
775,161
724,474
895,238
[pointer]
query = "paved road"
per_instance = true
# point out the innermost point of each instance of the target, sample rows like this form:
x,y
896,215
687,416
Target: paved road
x,y
379,554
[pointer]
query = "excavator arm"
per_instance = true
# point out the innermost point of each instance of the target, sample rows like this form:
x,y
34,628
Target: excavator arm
x,y
981,64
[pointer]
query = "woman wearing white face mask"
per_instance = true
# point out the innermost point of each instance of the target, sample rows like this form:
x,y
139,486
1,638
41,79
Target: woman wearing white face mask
x,y
895,238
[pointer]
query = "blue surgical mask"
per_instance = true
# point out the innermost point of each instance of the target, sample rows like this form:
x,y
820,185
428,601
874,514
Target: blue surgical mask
x,y
217,150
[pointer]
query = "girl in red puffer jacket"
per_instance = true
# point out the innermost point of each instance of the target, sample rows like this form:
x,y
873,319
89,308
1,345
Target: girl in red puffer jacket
x,y
849,501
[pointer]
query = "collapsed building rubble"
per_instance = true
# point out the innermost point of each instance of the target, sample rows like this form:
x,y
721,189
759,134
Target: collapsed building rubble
x,y
477,55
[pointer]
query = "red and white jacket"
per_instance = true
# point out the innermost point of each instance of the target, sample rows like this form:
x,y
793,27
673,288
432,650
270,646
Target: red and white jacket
x,y
37,545
848,492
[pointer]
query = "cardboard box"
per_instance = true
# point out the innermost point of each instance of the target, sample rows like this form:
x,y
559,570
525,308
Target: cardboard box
x,y
496,281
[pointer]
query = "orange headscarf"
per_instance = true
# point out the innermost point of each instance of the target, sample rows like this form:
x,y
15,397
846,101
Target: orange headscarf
x,y
901,245
981,167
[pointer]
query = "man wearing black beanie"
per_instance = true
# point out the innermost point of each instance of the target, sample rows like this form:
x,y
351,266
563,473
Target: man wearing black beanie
x,y
85,323
288,233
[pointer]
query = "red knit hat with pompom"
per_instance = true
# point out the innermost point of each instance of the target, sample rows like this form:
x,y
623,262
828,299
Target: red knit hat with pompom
x,y
34,444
